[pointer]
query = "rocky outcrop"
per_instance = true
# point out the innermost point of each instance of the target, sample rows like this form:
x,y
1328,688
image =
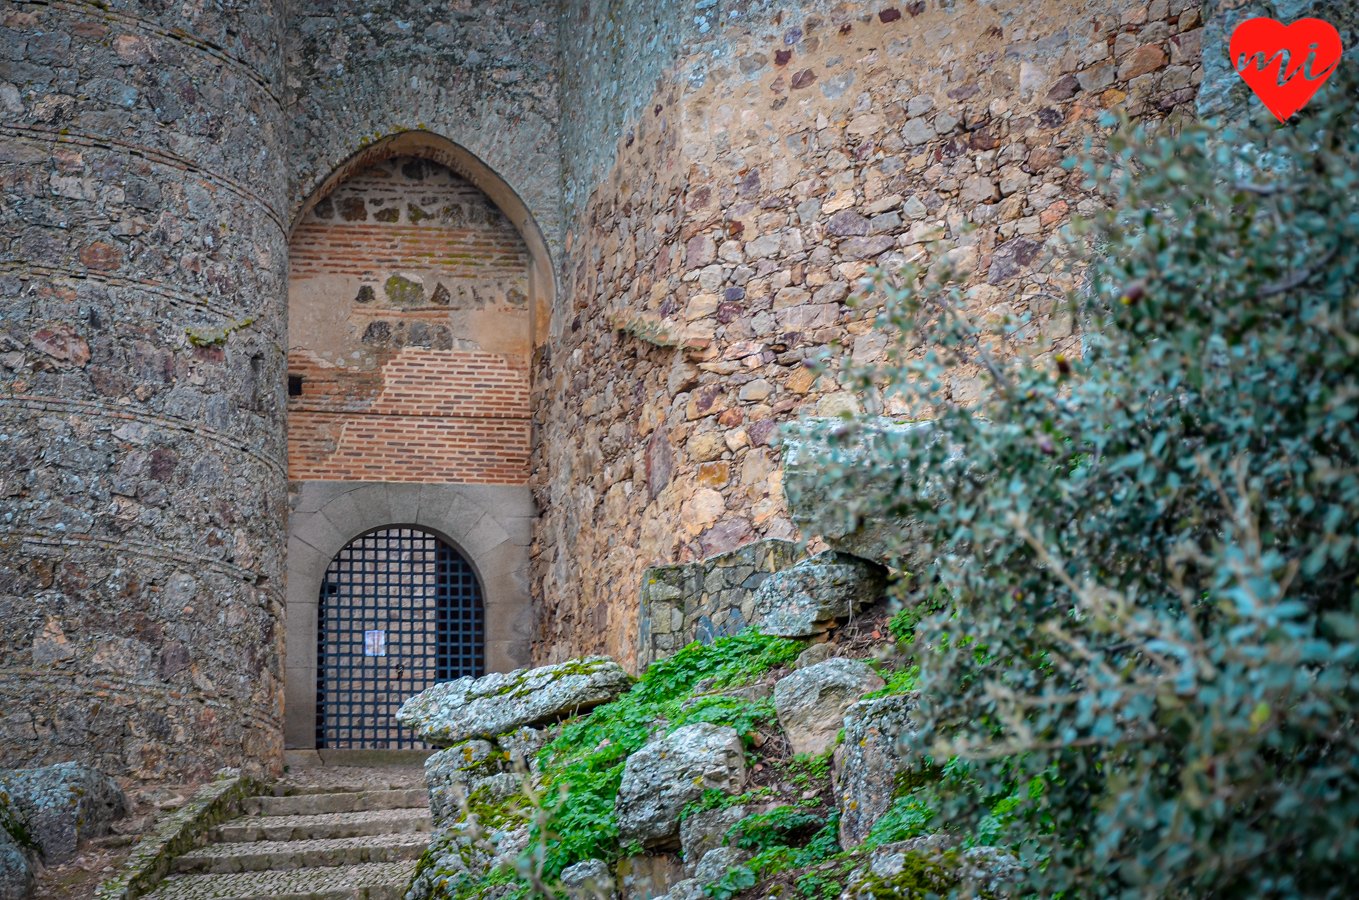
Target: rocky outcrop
x,y
589,880
872,759
932,863
449,774
705,831
718,862
811,702
63,804
810,597
666,774
457,711
812,497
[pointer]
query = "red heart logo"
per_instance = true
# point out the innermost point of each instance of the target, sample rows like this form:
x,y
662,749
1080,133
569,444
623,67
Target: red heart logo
x,y
1285,64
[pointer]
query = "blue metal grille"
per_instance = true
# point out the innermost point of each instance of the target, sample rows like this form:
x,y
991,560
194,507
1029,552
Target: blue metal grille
x,y
399,611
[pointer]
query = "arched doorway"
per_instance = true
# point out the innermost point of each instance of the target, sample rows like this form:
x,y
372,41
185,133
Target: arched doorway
x,y
399,611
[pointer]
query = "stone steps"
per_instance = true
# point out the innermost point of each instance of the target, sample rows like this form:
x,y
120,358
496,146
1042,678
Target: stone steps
x,y
313,804
335,844
371,881
257,856
325,825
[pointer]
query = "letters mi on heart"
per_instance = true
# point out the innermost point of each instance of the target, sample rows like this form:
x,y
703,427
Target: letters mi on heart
x,y
1285,64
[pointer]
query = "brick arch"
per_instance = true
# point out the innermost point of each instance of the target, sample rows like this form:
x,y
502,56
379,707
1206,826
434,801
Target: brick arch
x,y
488,525
465,163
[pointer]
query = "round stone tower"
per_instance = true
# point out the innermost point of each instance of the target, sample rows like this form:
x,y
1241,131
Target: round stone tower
x,y
143,273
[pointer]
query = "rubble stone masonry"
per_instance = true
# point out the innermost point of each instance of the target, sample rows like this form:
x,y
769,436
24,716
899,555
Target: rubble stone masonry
x,y
143,261
427,259
780,156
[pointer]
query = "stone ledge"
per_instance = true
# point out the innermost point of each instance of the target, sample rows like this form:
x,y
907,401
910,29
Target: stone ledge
x,y
179,832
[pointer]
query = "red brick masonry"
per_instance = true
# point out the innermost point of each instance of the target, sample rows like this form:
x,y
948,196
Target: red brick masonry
x,y
425,415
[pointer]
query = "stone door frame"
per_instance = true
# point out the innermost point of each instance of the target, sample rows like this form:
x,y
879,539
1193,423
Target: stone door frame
x,y
490,525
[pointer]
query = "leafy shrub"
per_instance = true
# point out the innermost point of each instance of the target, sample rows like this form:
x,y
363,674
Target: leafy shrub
x,y
1147,540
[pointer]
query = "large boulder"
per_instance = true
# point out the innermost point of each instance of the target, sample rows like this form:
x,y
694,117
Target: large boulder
x,y
811,702
64,804
457,711
813,595
818,500
669,772
873,757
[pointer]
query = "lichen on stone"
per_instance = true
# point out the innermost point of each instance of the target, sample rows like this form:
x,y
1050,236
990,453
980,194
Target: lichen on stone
x,y
203,336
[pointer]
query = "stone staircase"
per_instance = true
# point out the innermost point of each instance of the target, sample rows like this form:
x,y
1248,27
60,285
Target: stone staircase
x,y
316,842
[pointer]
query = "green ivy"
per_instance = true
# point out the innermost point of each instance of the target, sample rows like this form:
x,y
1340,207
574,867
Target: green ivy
x,y
588,757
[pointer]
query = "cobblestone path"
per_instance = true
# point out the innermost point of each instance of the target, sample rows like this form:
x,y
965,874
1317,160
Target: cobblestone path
x,y
327,835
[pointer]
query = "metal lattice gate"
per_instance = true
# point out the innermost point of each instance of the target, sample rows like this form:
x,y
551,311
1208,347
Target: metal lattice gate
x,y
399,611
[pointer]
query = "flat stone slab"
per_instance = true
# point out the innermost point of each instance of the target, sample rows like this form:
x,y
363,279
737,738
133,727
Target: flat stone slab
x,y
351,779
258,856
318,804
373,881
492,705
329,825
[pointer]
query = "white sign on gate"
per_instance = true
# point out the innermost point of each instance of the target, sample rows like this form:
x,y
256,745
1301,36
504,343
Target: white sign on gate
x,y
375,643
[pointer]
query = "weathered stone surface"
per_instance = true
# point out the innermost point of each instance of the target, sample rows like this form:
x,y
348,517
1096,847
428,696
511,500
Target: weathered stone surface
x,y
589,880
649,877
890,860
16,862
495,789
495,704
704,831
808,598
660,778
64,804
1144,59
449,774
688,889
702,601
982,871
810,497
814,654
718,862
521,746
811,702
139,209
872,759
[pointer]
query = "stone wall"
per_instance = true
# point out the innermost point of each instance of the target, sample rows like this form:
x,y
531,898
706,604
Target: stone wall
x,y
143,255
481,77
783,153
409,333
702,601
